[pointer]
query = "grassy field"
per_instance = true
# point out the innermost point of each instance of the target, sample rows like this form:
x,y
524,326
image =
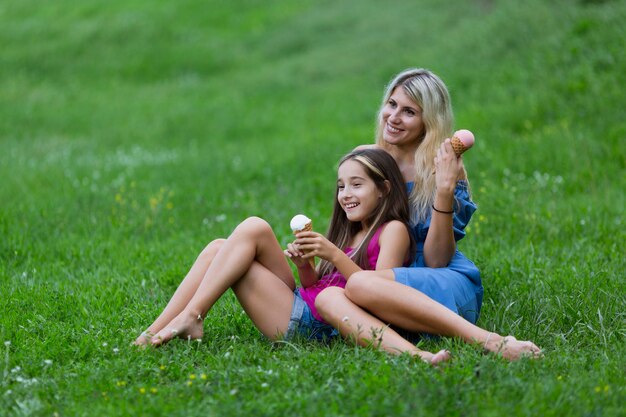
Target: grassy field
x,y
134,132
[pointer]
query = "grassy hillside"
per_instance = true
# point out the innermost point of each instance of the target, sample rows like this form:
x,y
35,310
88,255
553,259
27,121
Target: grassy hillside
x,y
132,133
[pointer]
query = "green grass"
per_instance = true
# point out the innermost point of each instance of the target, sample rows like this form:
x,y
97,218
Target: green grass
x,y
133,133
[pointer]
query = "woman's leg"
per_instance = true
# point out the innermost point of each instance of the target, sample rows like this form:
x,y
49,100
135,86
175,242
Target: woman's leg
x,y
403,306
253,241
355,323
184,292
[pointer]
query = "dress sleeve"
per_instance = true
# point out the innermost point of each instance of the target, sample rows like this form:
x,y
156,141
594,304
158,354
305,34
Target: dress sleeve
x,y
464,208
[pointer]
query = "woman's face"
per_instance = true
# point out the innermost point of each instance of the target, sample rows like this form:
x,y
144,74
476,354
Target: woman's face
x,y
401,119
356,191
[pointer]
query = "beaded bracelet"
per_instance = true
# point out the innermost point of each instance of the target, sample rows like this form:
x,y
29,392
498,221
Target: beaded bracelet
x,y
441,211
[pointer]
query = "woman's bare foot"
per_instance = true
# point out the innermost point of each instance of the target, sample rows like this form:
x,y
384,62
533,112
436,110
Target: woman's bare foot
x,y
512,349
185,326
144,338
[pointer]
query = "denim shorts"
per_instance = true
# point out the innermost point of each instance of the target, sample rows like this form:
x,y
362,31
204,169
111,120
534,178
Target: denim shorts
x,y
303,324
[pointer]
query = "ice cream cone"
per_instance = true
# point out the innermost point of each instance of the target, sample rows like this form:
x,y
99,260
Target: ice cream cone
x,y
301,223
457,146
461,141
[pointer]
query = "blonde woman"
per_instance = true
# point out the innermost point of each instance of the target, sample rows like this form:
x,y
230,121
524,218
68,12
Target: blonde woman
x,y
441,292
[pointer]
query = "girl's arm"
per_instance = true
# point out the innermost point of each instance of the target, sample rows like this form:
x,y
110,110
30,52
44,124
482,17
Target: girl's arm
x,y
309,244
440,246
308,276
394,244
393,241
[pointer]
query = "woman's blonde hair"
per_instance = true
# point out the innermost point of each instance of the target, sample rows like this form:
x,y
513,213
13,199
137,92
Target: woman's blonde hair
x,y
431,94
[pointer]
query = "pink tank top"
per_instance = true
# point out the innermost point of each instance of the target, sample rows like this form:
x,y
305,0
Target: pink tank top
x,y
335,279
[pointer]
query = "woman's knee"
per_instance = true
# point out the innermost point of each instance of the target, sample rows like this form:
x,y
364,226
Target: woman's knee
x,y
361,287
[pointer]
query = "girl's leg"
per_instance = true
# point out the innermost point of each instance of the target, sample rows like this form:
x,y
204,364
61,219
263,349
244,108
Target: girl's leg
x,y
184,292
266,300
355,323
252,241
403,306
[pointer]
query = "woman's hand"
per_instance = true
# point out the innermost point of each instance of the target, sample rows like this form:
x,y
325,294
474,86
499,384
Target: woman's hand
x,y
448,168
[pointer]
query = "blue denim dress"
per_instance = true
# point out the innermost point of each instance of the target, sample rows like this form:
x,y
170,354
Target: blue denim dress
x,y
457,286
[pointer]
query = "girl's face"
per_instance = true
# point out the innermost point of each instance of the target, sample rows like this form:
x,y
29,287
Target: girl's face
x,y
401,119
356,191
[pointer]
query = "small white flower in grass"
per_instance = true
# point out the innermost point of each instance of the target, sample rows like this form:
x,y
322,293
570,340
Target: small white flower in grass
x,y
7,343
115,350
47,362
345,318
105,344
233,391
16,369
227,354
265,385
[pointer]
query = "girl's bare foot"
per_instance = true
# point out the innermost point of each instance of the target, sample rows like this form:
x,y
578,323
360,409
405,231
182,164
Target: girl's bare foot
x,y
512,349
185,326
440,357
436,358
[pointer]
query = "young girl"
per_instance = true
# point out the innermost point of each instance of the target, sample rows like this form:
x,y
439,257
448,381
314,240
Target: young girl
x,y
368,230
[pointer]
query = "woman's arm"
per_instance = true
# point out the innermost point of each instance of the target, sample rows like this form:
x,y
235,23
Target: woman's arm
x,y
440,246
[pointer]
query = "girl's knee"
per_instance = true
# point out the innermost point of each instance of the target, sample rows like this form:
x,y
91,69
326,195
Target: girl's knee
x,y
211,249
254,225
326,299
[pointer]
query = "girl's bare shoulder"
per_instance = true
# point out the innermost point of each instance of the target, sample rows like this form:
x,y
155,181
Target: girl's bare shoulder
x,y
369,146
393,230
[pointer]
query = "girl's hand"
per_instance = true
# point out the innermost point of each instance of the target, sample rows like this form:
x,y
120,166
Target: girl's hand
x,y
296,256
312,244
448,168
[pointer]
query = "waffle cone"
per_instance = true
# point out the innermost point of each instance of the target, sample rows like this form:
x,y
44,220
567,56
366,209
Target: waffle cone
x,y
307,228
457,146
